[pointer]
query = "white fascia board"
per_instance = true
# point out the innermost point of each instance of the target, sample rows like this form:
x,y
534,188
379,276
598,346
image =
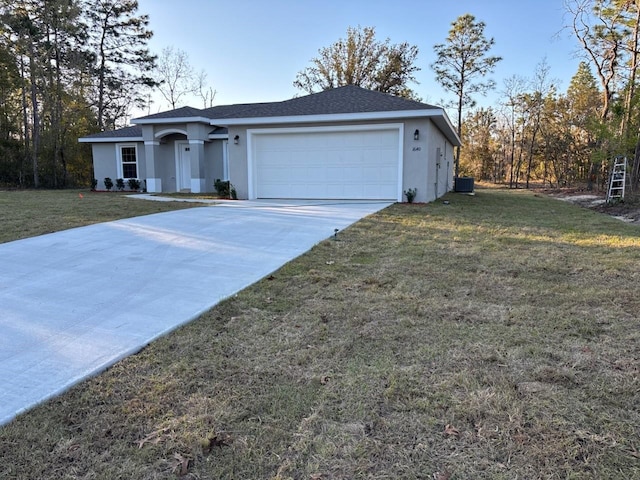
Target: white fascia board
x,y
327,128
219,136
110,139
156,121
333,117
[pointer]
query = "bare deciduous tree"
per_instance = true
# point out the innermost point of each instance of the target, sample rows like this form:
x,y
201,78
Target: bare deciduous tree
x,y
178,80
601,39
174,75
362,60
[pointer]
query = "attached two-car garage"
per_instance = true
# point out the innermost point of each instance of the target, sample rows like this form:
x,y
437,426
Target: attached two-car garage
x,y
360,162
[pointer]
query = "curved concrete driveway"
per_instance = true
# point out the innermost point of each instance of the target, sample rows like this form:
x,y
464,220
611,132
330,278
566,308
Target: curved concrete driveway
x,y
75,302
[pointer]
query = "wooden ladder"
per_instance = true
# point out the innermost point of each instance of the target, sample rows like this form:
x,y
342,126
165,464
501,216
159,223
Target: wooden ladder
x,y
617,179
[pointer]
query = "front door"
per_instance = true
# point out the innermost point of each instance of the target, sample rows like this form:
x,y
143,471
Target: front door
x,y
183,167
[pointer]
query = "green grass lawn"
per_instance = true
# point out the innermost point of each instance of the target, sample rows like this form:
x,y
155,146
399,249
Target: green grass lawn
x,y
496,337
28,213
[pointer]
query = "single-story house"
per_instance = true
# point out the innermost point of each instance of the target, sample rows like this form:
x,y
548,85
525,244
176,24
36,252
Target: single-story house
x,y
344,143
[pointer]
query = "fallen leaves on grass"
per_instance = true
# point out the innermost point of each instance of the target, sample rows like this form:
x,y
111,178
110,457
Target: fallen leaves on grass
x,y
180,464
451,431
154,437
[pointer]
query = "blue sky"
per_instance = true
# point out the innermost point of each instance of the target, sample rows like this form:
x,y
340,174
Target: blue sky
x,y
253,49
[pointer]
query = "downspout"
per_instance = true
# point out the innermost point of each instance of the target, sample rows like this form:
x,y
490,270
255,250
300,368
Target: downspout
x,y
447,177
438,159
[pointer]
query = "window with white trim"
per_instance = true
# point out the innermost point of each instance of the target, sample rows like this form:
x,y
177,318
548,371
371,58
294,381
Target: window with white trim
x,y
128,161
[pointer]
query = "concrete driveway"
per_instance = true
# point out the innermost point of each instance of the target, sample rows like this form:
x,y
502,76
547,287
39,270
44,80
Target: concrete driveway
x,y
75,302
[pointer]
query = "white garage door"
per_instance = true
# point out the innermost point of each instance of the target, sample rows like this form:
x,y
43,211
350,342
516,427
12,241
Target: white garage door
x,y
361,164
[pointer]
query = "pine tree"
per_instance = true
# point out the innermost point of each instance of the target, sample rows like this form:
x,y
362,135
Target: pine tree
x,y
462,64
123,64
584,99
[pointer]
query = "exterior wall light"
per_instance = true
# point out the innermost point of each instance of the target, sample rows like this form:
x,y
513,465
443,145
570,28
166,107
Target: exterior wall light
x,y
416,134
236,139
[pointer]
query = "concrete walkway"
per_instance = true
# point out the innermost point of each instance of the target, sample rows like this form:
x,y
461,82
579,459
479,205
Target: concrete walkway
x,y
75,302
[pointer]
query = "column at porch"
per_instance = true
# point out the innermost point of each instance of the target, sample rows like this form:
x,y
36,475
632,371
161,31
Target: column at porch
x,y
198,181
151,153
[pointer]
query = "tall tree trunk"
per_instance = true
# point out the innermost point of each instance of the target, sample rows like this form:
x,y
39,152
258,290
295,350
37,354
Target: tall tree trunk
x,y
519,164
50,101
56,124
35,115
633,48
101,88
530,155
512,155
635,170
457,160
25,117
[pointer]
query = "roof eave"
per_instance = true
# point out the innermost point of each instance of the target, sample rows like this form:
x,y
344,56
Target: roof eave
x,y
437,115
329,117
446,127
109,139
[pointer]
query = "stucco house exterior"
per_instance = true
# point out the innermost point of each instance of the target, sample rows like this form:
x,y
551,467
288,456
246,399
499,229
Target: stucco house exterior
x,y
344,143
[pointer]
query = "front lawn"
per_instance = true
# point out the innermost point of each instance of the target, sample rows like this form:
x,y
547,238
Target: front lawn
x,y
494,337
28,213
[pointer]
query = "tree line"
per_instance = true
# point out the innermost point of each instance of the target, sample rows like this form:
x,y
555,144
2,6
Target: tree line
x,y
73,67
538,134
535,133
69,68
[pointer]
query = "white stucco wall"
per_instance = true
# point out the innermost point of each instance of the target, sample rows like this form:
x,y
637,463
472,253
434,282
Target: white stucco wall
x,y
427,162
105,161
420,158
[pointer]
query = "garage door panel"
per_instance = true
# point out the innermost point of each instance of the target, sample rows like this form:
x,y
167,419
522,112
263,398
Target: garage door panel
x,y
382,173
384,190
374,175
315,174
274,174
333,165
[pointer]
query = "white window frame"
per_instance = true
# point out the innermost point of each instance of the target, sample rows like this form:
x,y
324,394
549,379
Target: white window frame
x,y
119,147
225,160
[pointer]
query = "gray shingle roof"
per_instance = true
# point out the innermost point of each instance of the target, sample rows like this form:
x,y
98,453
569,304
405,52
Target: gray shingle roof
x,y
126,132
228,111
341,100
182,112
347,99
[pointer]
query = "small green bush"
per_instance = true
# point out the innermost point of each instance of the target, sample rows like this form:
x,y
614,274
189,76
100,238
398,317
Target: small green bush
x,y
410,194
134,184
120,184
108,183
225,189
94,184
